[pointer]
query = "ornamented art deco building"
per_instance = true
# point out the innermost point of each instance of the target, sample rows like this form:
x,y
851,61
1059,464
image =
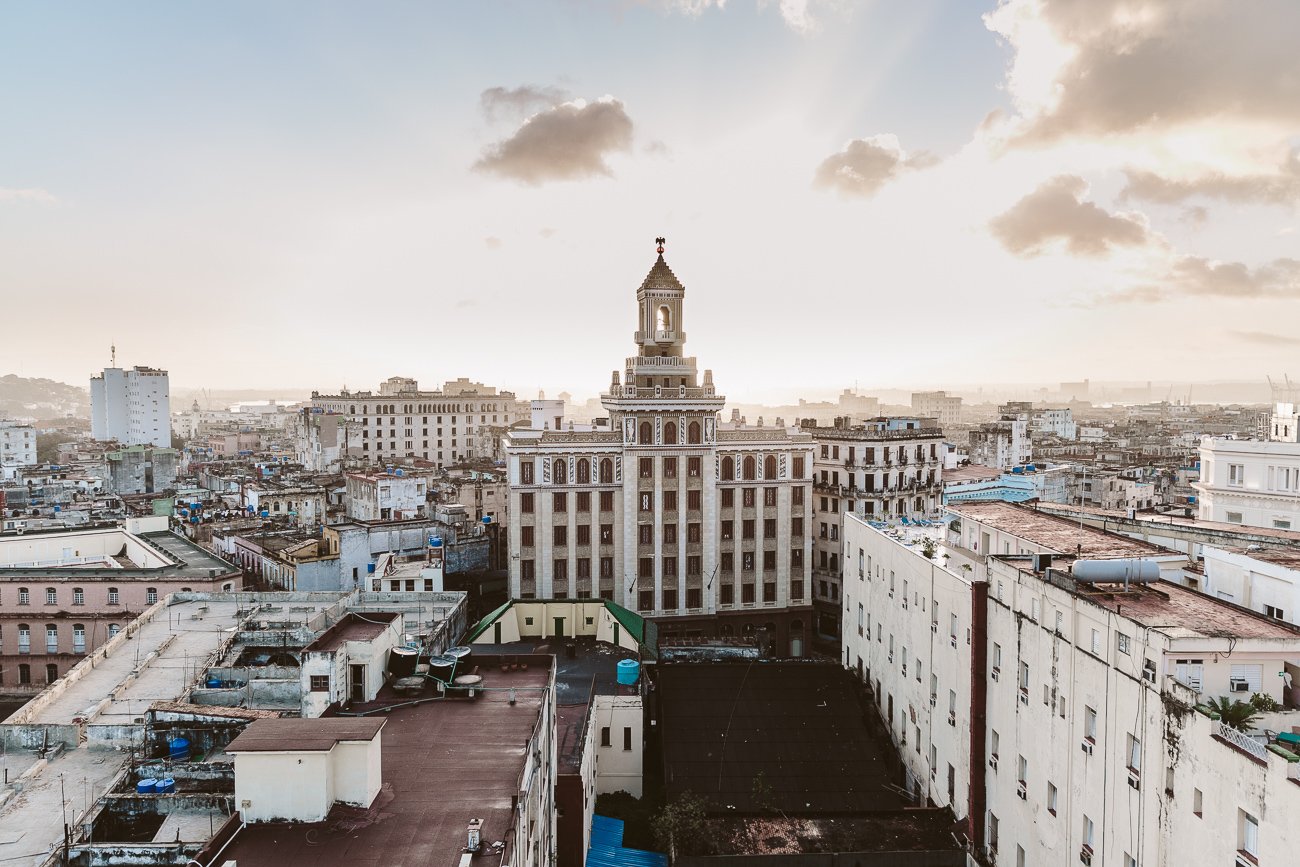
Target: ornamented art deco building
x,y
661,508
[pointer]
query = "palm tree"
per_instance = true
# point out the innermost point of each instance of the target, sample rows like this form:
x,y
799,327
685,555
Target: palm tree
x,y
1234,712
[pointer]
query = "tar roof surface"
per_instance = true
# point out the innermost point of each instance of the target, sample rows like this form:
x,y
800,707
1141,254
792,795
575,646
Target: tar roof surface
x,y
801,725
295,735
446,762
353,627
1182,613
1055,533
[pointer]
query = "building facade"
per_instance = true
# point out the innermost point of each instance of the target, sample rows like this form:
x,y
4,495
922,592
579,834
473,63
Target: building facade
x,y
132,406
461,422
17,444
661,509
937,405
1253,482
881,470
1059,717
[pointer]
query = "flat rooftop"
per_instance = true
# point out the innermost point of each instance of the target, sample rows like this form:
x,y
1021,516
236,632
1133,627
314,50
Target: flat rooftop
x,y
444,763
163,555
1286,557
1155,518
911,830
304,735
800,724
1055,533
970,473
352,627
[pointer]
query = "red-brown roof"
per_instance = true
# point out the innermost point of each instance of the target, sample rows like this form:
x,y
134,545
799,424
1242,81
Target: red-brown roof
x,y
304,735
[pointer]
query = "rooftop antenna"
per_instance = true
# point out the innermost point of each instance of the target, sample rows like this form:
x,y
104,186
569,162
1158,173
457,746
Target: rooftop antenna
x,y
112,351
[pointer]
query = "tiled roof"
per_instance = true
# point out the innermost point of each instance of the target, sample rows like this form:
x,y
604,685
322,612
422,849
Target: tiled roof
x,y
662,277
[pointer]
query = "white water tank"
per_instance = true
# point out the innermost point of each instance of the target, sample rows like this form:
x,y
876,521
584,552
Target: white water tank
x,y
1125,571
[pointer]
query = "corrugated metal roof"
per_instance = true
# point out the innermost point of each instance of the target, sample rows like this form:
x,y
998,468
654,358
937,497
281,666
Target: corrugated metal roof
x,y
607,849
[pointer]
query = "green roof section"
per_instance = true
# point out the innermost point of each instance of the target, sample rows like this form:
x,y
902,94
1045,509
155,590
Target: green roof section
x,y
646,632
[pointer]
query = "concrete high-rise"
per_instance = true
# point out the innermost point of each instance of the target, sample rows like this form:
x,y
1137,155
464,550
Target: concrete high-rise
x,y
131,406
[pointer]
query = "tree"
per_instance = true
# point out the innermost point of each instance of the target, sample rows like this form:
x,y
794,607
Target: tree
x,y
47,447
1235,713
681,828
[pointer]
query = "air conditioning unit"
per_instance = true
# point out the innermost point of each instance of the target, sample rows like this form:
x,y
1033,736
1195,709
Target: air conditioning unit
x,y
1237,685
952,718
952,639
1087,747
1024,696
1134,782
993,762
934,699
995,672
934,627
1022,792
1085,855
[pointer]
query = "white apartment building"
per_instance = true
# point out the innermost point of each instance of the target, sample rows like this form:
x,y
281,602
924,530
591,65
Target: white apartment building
x,y
1056,715
462,421
1253,482
1263,579
17,444
131,406
1002,444
1056,422
881,469
391,496
937,405
663,510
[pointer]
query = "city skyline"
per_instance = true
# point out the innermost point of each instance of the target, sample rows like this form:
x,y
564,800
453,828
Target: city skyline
x,y
385,192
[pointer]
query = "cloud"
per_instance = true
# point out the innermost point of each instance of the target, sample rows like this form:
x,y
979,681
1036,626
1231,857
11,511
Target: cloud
x,y
547,232
1197,276
33,195
798,15
1280,188
1114,66
1056,211
863,166
1267,338
565,142
519,102
492,242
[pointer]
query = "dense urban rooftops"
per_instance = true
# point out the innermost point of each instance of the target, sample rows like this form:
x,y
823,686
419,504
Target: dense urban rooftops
x,y
1054,533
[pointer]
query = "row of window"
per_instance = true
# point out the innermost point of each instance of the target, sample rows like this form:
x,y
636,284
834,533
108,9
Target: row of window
x,y
52,637
113,596
582,469
646,500
25,673
832,452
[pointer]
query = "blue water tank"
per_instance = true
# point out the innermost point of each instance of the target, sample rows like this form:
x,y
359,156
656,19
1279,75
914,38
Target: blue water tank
x,y
147,786
214,682
487,519
370,568
1033,468
628,671
399,472
1018,470
178,748
166,786
435,542
265,514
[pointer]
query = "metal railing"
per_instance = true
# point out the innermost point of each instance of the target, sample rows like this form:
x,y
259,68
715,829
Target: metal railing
x,y
1241,741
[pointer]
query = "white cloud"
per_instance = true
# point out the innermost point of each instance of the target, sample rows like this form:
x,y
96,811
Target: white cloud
x,y
568,141
863,166
33,195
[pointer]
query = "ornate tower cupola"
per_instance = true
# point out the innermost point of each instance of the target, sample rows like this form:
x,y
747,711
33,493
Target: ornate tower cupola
x,y
659,331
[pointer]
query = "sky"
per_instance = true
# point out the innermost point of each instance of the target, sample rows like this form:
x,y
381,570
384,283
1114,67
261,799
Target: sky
x,y
929,193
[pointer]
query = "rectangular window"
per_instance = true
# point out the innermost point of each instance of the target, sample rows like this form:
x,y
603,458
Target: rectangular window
x,y
527,570
526,472
796,495
726,594
560,501
1121,642
627,737
670,596
670,501
769,496
51,596
693,500
693,570
606,567
526,503
607,501
584,534
561,534
747,498
646,468
79,596
584,501
1051,799
728,529
604,736
693,467
797,465
645,534
1236,475
526,537
1090,724
747,528
320,683
113,598
1134,754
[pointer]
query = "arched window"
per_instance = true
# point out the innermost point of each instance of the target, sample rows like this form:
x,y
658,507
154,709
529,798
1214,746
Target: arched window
x,y
606,471
769,467
113,629
751,467
51,596
664,319
693,433
728,469
670,433
78,638
24,638
558,474
583,471
51,638
647,433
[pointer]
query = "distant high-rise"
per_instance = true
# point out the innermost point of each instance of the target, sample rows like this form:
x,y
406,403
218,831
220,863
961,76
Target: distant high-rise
x,y
132,406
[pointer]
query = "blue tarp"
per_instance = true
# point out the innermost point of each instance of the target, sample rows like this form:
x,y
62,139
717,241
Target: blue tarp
x,y
607,849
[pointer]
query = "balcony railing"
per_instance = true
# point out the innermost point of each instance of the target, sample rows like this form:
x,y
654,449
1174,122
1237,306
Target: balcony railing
x,y
1241,741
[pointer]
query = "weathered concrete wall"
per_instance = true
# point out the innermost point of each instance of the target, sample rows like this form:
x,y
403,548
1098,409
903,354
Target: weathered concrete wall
x,y
134,854
33,737
115,736
285,694
467,556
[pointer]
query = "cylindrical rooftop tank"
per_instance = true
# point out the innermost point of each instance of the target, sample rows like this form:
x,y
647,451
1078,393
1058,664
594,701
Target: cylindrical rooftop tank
x,y
441,666
178,748
166,786
147,786
463,656
401,661
1115,571
628,671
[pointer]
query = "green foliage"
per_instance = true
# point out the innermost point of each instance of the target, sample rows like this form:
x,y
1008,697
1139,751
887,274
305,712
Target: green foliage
x,y
1264,702
1234,712
681,828
929,548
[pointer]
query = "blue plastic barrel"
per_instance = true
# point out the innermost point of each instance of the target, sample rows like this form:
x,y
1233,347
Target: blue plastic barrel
x,y
214,682
178,748
166,786
628,671
146,786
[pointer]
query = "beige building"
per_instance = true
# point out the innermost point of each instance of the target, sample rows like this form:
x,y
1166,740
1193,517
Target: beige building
x,y
661,508
937,405
462,421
